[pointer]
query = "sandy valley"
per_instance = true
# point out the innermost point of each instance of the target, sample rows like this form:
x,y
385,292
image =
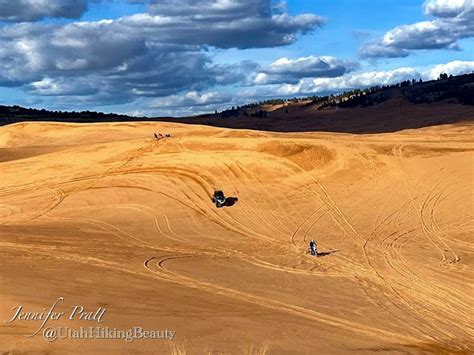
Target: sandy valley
x,y
108,218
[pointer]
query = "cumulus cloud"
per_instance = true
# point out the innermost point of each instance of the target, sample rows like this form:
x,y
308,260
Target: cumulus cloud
x,y
454,21
32,10
456,67
349,81
372,78
377,49
212,9
120,64
286,70
445,8
55,87
158,53
241,72
226,30
191,99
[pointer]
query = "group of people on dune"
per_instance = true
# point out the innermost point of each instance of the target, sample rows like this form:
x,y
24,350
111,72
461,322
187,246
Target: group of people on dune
x,y
159,136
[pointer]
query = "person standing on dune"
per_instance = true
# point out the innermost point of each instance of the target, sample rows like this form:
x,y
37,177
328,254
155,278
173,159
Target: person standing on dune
x,y
313,248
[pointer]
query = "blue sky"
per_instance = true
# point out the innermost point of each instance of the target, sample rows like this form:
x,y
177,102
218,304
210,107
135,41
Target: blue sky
x,y
184,57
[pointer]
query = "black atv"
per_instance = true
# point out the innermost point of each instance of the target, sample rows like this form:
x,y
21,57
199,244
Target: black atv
x,y
220,200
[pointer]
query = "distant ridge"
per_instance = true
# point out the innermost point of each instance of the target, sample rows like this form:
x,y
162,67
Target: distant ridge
x,y
14,114
456,89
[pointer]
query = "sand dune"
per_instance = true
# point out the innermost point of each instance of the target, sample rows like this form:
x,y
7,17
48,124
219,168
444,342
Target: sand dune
x,y
103,215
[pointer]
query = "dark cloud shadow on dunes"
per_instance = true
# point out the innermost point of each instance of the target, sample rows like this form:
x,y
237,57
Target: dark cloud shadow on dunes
x,y
391,116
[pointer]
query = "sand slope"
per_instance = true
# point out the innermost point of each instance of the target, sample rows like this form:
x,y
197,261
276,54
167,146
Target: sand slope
x,y
103,215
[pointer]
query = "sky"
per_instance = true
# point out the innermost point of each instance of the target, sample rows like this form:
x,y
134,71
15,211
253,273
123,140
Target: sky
x,y
177,58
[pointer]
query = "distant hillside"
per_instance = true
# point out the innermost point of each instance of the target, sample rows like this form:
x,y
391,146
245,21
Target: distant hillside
x,y
406,105
12,114
453,89
409,104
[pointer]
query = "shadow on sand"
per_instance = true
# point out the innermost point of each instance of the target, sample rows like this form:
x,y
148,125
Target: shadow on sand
x,y
326,253
384,118
230,201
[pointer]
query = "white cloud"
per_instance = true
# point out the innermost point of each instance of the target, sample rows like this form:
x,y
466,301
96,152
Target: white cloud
x,y
372,78
457,67
289,71
221,23
445,8
349,81
51,87
32,10
190,99
455,21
